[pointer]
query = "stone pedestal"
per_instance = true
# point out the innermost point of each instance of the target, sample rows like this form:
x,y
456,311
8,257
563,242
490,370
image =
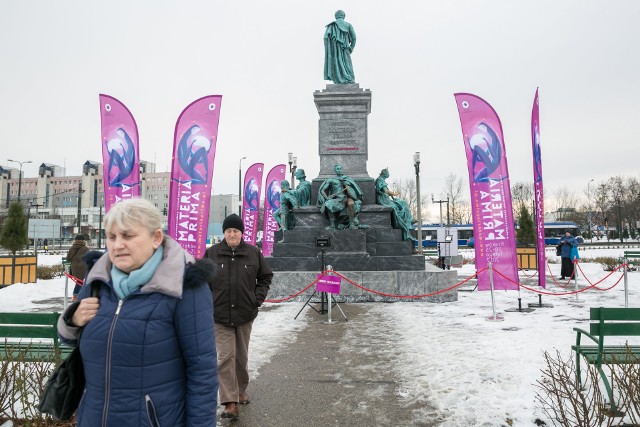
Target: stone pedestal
x,y
375,257
343,136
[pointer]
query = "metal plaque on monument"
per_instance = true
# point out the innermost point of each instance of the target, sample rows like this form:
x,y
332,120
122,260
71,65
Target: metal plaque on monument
x,y
342,135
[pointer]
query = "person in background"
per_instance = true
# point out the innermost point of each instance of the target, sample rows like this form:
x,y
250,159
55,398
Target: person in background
x,y
78,268
240,285
567,243
148,344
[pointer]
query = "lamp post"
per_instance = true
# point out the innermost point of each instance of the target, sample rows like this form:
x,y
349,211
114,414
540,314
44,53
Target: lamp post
x,y
20,174
293,165
240,186
416,164
440,202
589,208
619,225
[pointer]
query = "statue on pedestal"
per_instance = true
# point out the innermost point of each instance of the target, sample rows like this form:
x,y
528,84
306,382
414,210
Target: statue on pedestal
x,y
284,215
303,190
339,42
402,217
340,200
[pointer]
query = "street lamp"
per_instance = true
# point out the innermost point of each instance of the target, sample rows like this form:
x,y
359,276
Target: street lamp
x,y
240,186
293,165
20,175
440,202
416,164
589,208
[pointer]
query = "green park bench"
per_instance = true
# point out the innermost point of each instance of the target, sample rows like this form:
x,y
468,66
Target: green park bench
x,y
608,322
630,256
30,337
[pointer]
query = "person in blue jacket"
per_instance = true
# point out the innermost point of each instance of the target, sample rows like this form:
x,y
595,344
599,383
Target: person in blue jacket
x,y
148,344
567,243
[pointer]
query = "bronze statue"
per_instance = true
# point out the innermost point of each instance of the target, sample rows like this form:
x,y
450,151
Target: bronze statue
x,y
339,42
284,215
402,217
303,190
340,200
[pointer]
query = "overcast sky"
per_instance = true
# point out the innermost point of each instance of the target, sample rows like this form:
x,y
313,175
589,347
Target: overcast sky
x,y
266,59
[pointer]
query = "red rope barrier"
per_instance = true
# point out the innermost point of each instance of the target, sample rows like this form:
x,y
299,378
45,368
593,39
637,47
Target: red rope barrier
x,y
558,283
549,293
410,296
601,280
373,291
592,285
75,280
296,294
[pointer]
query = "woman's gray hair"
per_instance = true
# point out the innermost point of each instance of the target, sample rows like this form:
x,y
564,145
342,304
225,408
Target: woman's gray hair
x,y
131,213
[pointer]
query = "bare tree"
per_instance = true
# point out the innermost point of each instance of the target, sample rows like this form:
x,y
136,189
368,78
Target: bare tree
x,y
632,204
464,212
522,197
565,203
407,190
453,192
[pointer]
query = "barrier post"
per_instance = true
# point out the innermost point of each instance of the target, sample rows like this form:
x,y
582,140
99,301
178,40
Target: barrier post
x,y
626,282
496,317
575,281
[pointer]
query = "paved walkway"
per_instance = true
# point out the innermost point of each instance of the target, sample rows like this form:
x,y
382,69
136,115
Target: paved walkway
x,y
333,374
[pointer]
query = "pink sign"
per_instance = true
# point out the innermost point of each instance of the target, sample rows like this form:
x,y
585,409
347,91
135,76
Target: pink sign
x,y
120,155
271,204
328,283
194,151
538,190
493,227
251,202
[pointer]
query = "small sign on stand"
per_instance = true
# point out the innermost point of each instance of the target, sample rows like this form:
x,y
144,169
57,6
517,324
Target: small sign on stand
x,y
328,283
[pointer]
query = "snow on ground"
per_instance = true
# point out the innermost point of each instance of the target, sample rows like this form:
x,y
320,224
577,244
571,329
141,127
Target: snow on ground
x,y
475,371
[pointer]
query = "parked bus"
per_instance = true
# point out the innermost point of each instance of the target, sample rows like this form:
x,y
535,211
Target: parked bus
x,y
553,231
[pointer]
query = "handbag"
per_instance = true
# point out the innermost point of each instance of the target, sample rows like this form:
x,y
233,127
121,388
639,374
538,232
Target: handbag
x,y
558,250
65,386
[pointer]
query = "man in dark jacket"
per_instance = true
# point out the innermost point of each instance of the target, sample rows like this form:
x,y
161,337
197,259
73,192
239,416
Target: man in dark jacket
x,y
239,287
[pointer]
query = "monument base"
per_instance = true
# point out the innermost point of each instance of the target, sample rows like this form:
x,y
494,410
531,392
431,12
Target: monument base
x,y
429,281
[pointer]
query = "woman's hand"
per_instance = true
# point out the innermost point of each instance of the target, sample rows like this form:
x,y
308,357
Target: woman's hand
x,y
86,311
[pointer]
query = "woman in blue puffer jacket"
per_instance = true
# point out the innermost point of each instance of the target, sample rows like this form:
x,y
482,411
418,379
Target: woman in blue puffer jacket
x,y
148,344
567,242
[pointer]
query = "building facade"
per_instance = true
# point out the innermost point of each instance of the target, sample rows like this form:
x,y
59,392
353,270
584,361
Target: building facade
x,y
78,201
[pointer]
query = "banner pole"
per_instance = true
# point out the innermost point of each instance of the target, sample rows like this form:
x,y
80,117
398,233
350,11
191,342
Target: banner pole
x,y
520,309
496,317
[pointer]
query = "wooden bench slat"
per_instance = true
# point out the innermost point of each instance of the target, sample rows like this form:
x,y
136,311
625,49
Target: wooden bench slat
x,y
28,332
20,335
615,329
42,318
615,313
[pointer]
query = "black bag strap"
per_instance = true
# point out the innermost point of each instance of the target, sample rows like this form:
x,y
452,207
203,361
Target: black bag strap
x,y
95,292
95,289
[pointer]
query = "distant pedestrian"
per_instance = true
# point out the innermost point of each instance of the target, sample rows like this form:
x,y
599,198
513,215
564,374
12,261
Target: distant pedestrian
x,y
239,287
78,267
567,243
46,246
